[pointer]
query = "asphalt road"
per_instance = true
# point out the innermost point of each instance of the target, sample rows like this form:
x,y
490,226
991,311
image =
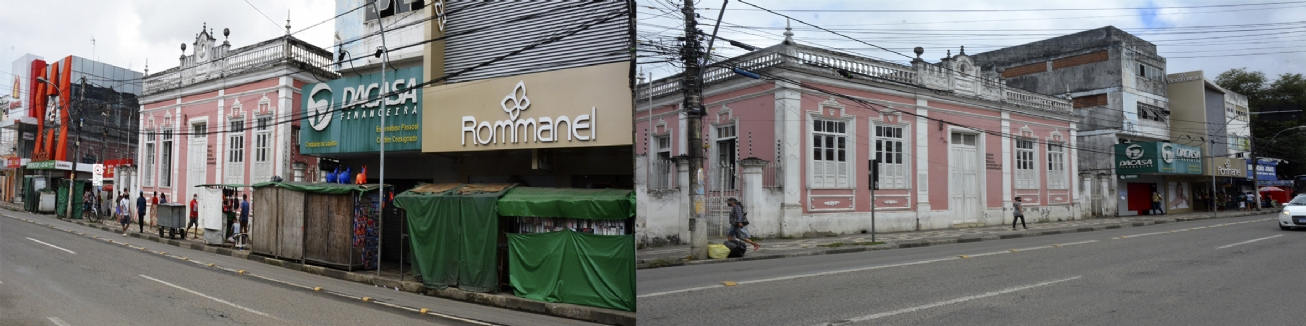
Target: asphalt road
x,y
1234,271
53,277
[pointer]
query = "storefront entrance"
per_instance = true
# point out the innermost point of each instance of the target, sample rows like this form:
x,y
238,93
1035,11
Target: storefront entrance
x,y
1140,197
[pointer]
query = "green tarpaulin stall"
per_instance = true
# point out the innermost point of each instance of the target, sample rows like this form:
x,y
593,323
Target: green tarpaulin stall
x,y
568,266
454,234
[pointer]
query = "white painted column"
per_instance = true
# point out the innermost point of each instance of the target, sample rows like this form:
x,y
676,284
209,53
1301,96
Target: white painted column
x,y
1006,164
281,152
221,153
176,150
682,215
788,106
922,142
1072,173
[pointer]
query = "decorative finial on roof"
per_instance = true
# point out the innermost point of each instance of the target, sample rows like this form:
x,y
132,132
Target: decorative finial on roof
x,y
918,50
287,21
789,33
963,50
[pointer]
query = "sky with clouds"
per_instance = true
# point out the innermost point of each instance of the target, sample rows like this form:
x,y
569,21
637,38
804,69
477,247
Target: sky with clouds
x,y
127,32
1194,35
1213,36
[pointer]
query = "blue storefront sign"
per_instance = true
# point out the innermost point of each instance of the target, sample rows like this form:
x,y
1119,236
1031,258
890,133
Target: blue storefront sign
x,y
1265,171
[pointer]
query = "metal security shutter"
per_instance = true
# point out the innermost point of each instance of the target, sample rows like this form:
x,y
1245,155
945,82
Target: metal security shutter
x,y
493,34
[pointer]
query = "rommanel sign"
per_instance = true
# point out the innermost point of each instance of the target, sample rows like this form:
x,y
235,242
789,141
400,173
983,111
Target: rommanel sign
x,y
520,129
580,107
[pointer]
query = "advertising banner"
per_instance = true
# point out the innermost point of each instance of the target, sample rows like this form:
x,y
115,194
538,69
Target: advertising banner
x,y
1265,171
344,115
580,107
1157,158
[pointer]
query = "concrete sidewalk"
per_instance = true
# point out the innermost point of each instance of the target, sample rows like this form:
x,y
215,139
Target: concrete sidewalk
x,y
388,278
772,248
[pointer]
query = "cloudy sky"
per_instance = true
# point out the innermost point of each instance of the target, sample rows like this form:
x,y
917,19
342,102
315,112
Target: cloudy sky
x,y
127,32
1213,36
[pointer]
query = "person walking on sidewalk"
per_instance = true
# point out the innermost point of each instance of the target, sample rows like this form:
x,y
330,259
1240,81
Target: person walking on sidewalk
x,y
1018,213
1156,204
124,213
738,222
154,209
140,211
194,216
242,224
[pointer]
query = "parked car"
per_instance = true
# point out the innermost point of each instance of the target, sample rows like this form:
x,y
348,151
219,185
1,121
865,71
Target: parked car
x,y
1294,213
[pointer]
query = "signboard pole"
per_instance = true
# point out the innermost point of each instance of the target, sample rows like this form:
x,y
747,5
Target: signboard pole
x,y
380,203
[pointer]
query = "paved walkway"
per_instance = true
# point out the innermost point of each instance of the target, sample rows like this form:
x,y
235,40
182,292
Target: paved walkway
x,y
654,257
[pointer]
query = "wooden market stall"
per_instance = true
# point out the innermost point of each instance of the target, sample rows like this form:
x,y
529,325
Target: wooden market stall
x,y
334,225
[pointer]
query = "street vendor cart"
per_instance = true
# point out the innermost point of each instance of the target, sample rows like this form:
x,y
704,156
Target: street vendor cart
x,y
172,220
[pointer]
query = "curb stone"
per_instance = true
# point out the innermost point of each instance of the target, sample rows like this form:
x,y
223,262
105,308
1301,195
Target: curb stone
x,y
569,311
940,241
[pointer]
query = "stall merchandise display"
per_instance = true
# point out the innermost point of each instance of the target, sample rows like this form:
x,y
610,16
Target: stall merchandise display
x,y
528,225
365,227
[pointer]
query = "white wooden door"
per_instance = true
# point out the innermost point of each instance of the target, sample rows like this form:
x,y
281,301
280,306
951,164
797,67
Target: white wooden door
x,y
963,180
197,158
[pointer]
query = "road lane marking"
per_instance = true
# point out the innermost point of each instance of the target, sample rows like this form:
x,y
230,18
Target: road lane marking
x,y
785,278
948,302
52,246
206,296
1249,241
58,321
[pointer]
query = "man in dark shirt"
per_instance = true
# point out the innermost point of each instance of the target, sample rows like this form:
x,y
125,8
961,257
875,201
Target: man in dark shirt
x,y
244,213
140,211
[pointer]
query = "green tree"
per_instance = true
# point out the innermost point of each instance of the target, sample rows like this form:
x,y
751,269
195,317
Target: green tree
x,y
1262,94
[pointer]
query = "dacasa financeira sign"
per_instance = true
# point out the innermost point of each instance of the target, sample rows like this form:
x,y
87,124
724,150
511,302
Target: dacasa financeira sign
x,y
344,115
1157,158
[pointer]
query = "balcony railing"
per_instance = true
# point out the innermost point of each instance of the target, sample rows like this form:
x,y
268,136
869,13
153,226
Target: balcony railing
x,y
820,61
260,56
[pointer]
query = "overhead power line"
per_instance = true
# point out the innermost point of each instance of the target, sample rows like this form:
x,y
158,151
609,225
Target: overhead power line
x,y
1015,10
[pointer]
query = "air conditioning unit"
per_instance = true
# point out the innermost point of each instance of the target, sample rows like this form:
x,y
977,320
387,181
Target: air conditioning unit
x,y
1239,155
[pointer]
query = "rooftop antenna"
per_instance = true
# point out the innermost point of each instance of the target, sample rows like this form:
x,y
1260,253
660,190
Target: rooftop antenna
x,y
93,48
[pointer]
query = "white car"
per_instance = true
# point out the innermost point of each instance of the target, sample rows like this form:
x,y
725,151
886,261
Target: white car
x,y
1294,213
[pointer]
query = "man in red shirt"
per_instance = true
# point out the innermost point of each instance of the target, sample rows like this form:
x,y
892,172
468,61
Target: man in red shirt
x,y
194,216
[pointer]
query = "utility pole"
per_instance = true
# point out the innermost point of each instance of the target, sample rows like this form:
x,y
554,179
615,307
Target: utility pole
x,y
693,104
77,155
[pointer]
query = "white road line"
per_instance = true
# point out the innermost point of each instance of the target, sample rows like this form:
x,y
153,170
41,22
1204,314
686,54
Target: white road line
x,y
58,321
52,246
1078,243
784,278
1249,241
654,294
205,296
948,302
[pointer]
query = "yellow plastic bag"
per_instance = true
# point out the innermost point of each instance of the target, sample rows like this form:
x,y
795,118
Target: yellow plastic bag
x,y
717,251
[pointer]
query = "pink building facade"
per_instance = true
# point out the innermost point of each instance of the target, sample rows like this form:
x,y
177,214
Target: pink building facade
x,y
954,147
226,116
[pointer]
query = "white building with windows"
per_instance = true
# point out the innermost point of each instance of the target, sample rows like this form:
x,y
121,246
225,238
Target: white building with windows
x,y
953,147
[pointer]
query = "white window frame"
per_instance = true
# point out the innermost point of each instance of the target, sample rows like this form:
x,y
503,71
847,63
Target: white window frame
x,y
727,132
1027,171
262,138
169,145
896,174
1057,178
148,171
842,176
236,142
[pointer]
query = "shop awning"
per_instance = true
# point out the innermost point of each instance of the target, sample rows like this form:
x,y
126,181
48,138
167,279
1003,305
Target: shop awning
x,y
310,187
597,204
222,185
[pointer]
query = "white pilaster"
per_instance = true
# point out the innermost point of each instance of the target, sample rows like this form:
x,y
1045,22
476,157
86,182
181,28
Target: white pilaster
x,y
1072,172
221,153
281,152
788,105
1006,161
